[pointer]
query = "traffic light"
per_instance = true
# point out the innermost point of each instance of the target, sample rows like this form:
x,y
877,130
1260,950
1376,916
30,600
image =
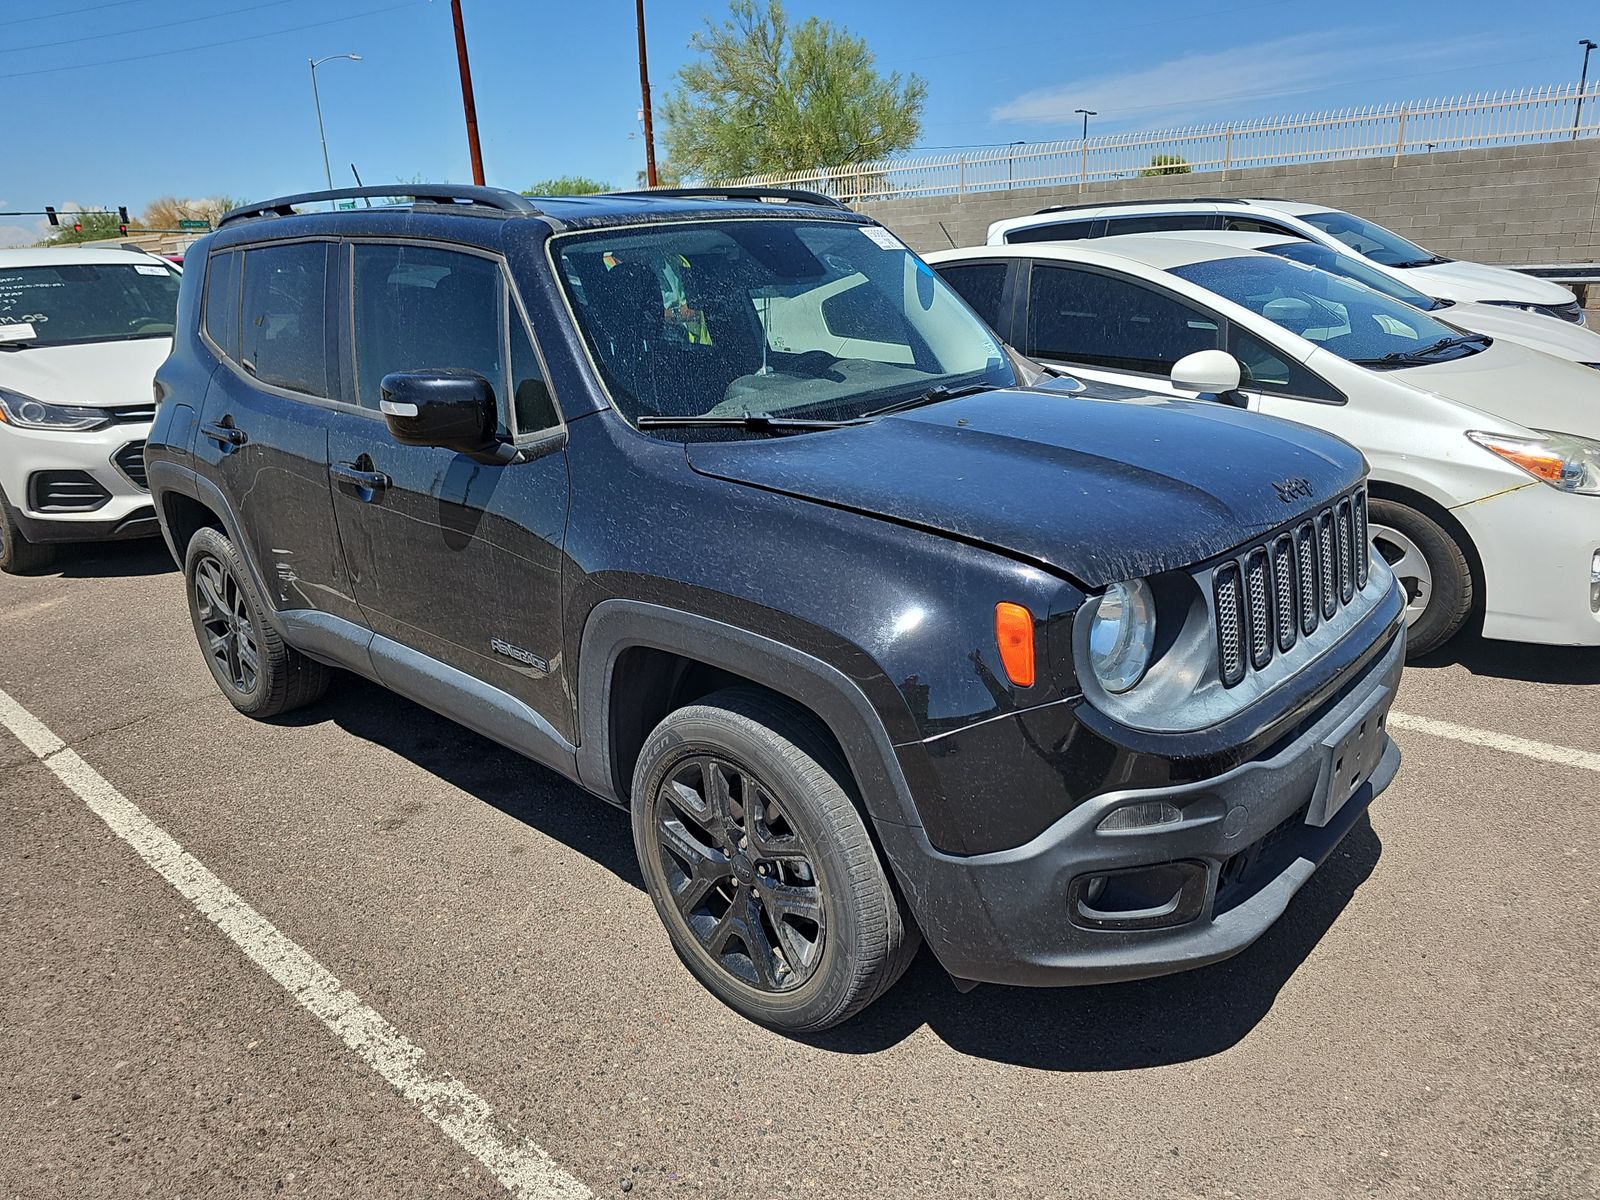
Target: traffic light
x,y
122,220
50,215
77,227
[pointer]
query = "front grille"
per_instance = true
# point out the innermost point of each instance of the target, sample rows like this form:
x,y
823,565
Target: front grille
x,y
1568,312
130,461
65,492
132,414
1269,595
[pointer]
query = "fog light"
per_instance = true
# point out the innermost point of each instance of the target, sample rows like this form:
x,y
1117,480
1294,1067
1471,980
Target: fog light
x,y
1139,816
1594,583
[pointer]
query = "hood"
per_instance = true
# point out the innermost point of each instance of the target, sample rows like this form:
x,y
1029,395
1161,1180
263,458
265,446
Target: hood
x,y
1474,281
1519,385
1551,335
103,374
1100,490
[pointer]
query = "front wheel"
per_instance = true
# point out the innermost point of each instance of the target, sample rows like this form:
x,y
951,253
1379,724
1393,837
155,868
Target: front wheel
x,y
1435,577
760,866
19,556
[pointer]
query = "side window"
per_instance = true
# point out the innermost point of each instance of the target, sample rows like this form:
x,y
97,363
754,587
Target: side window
x,y
981,285
222,302
1056,231
1108,321
422,308
1270,371
530,395
1255,225
284,339
1159,223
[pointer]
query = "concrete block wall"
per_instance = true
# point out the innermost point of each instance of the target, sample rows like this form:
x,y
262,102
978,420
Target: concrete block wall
x,y
1511,204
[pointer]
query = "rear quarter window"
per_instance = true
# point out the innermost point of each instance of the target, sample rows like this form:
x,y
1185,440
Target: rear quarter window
x,y
222,302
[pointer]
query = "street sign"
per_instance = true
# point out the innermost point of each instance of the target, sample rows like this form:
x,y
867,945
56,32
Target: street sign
x,y
345,205
194,224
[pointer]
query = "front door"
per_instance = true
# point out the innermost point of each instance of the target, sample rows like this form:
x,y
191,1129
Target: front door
x,y
456,559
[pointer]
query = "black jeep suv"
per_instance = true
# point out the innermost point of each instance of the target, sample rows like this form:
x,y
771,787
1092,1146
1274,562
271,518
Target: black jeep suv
x,y
726,508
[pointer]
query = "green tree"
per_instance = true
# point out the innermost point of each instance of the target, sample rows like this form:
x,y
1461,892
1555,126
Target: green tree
x,y
767,97
1167,164
566,185
97,227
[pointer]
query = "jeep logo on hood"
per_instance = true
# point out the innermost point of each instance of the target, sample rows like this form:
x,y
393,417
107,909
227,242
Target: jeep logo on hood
x,y
1293,489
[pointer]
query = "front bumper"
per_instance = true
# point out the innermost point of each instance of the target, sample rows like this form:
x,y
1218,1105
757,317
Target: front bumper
x,y
1247,837
126,510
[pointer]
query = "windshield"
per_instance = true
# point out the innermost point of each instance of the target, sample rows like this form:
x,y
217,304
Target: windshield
x,y
791,319
90,302
1315,254
1352,321
1373,241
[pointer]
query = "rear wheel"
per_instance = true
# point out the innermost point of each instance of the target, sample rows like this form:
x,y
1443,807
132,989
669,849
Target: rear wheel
x,y
257,672
19,556
760,866
1435,576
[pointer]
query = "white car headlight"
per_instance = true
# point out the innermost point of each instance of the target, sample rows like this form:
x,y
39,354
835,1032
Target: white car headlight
x,y
1565,461
27,413
1122,635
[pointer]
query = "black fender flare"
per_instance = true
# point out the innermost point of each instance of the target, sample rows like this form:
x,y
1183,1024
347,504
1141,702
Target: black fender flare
x,y
169,477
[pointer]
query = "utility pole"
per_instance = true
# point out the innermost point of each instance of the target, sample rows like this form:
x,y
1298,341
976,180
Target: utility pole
x,y
468,106
650,177
1583,83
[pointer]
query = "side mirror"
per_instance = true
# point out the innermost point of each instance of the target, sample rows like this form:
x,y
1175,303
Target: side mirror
x,y
453,410
1214,374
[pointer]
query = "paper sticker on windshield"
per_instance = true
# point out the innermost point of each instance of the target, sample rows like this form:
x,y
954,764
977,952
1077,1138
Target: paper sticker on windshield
x,y
22,331
144,270
881,237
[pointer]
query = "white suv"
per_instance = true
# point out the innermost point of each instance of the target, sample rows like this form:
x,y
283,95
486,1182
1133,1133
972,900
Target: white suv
x,y
81,335
1429,273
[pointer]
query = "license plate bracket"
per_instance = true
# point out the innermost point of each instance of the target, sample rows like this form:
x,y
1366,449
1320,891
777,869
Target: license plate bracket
x,y
1351,754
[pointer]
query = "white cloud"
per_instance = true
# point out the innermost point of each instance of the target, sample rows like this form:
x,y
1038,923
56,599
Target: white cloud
x,y
20,233
1207,86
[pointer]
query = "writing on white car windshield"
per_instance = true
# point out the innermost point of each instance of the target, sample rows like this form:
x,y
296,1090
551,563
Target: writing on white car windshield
x,y
1346,318
723,328
73,303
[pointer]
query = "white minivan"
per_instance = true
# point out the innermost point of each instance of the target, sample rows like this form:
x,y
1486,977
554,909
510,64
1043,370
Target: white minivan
x,y
82,332
1485,454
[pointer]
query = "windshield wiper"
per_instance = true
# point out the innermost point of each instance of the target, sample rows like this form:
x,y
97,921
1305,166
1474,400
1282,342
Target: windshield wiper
x,y
932,396
1403,357
1431,261
755,422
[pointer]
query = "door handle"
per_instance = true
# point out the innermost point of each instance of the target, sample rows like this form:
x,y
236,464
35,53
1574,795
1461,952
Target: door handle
x,y
372,481
226,435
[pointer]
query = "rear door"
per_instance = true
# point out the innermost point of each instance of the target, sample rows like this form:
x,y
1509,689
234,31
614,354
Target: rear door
x,y
456,559
263,435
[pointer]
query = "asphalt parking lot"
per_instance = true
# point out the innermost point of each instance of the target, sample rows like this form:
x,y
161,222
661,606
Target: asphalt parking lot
x,y
1421,1023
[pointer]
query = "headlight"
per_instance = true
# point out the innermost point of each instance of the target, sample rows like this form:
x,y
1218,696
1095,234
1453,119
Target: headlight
x,y
1564,461
1122,635
27,413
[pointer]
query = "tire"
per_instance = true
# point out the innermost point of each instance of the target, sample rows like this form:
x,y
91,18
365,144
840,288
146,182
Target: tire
x,y
19,556
260,675
1434,573
796,874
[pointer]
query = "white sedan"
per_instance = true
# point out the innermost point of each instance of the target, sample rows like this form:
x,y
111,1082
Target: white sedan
x,y
1485,454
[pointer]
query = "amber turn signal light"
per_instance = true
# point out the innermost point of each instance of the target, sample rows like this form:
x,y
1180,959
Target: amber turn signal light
x,y
1013,630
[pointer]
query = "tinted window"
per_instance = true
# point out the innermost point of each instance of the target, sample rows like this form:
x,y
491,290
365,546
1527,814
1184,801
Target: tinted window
x,y
1102,319
74,303
222,302
1315,254
1156,224
1377,243
418,308
1256,225
1058,231
284,339
530,395
1272,372
981,285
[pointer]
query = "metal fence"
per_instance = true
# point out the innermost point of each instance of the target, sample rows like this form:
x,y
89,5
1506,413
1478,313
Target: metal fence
x,y
1490,119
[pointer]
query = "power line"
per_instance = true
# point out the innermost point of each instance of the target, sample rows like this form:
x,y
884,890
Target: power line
x,y
94,37
252,37
70,12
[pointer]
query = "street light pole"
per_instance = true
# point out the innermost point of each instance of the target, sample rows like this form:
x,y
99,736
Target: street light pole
x,y
316,100
1583,83
468,104
1083,168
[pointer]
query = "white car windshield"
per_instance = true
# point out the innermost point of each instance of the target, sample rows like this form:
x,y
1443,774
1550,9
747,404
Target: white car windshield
x,y
72,303
1315,254
814,320
1373,241
1346,318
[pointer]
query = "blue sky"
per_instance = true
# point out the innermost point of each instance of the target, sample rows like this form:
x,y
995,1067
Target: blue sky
x,y
120,102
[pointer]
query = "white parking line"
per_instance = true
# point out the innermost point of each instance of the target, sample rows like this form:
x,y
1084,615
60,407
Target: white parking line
x,y
1566,756
521,1166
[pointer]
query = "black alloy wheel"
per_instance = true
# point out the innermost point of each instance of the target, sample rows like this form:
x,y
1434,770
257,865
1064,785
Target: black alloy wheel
x,y
740,874
223,618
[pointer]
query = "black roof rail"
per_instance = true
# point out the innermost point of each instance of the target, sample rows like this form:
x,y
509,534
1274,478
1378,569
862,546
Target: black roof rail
x,y
1148,200
465,195
795,195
